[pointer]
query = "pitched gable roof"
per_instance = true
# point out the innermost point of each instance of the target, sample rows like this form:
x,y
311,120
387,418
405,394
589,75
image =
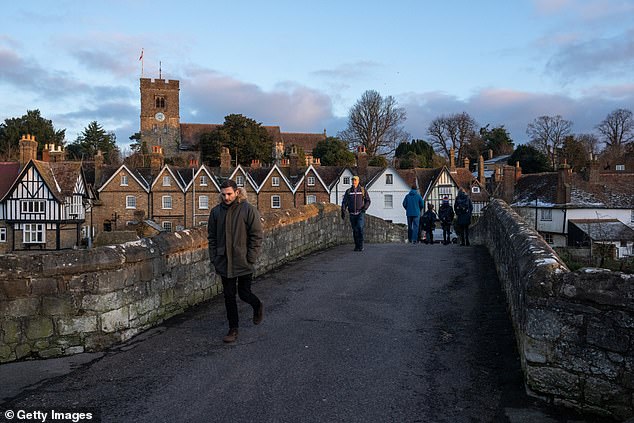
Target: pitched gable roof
x,y
9,171
604,229
137,175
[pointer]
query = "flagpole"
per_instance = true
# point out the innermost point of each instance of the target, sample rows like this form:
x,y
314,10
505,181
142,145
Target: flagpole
x,y
141,59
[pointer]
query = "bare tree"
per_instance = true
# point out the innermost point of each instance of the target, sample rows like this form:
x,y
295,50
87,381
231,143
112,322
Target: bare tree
x,y
455,131
375,123
590,142
617,130
547,134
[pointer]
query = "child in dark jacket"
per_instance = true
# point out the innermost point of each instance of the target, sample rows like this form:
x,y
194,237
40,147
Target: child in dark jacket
x,y
446,215
428,223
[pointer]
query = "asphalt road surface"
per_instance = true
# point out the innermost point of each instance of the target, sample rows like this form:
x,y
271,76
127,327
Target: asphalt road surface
x,y
396,333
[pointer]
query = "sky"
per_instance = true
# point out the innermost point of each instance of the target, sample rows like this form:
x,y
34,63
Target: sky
x,y
302,65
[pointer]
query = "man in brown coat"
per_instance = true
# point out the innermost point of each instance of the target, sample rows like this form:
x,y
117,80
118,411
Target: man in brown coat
x,y
235,238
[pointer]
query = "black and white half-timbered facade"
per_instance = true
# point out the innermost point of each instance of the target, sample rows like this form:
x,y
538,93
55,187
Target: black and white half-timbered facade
x,y
45,208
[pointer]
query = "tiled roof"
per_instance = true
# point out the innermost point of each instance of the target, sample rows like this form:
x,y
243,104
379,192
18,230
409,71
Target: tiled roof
x,y
46,174
408,175
329,174
66,174
613,190
306,141
425,177
604,229
8,172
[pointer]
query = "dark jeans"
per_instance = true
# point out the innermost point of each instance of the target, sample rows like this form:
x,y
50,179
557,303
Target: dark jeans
x,y
429,235
446,232
357,221
463,231
412,228
243,290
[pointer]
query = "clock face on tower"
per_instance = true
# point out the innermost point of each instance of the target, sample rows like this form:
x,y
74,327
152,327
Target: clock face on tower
x,y
159,116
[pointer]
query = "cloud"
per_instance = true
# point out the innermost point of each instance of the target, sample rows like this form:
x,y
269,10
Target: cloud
x,y
514,109
208,96
612,56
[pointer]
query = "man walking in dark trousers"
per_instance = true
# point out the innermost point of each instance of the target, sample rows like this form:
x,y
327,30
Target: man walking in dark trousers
x,y
356,200
235,238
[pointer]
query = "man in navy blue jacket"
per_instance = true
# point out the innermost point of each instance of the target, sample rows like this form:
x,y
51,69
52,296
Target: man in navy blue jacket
x,y
356,200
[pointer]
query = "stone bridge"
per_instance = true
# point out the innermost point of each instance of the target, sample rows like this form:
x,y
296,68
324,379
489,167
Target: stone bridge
x,y
573,330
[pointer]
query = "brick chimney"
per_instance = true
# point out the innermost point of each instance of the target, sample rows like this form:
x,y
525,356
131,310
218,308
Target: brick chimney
x,y
255,164
490,154
452,160
284,163
564,174
508,184
593,170
156,157
518,171
467,162
294,161
481,176
53,153
316,161
362,161
98,167
225,161
28,149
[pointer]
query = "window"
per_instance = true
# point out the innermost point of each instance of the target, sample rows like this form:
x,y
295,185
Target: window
x,y
124,180
167,226
276,203
388,201
33,206
620,167
311,199
311,181
548,238
155,128
203,180
546,214
167,181
203,202
165,129
389,179
240,180
160,102
275,181
475,190
130,202
346,180
167,201
33,233
74,208
3,234
445,190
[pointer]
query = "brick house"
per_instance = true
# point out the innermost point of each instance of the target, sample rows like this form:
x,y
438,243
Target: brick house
x,y
123,197
311,188
274,189
167,197
202,194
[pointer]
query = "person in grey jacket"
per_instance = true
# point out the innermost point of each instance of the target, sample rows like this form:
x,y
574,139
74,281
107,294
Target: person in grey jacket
x,y
235,238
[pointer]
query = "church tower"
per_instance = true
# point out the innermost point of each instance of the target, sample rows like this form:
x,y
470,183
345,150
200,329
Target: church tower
x,y
160,115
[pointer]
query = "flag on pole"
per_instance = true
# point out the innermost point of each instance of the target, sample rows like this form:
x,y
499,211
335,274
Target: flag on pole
x,y
141,56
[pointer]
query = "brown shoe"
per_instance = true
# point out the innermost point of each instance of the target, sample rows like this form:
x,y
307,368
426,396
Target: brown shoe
x,y
231,336
258,314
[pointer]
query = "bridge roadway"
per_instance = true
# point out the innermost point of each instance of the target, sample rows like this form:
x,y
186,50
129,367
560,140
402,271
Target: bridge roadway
x,y
396,333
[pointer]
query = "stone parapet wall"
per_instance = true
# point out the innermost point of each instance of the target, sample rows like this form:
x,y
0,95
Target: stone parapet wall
x,y
66,302
574,330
